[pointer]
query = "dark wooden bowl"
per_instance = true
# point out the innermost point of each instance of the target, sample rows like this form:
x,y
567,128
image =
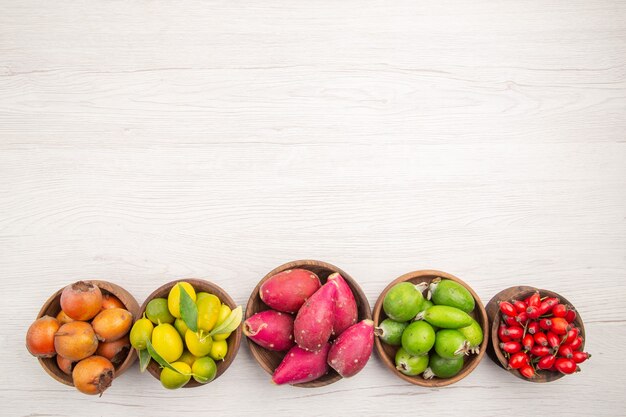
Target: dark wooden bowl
x,y
52,307
269,360
388,353
234,340
521,292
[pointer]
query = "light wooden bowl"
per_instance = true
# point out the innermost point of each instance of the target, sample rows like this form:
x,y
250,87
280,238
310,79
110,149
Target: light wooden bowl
x,y
388,353
521,292
52,307
269,360
234,340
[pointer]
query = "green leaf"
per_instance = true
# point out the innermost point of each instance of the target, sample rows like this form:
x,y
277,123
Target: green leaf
x,y
144,359
230,323
155,355
188,310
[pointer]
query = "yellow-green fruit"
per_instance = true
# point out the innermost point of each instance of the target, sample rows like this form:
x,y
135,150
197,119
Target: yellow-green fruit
x,y
167,342
173,299
218,350
201,295
187,357
141,333
181,326
208,312
174,380
157,311
204,370
224,312
198,346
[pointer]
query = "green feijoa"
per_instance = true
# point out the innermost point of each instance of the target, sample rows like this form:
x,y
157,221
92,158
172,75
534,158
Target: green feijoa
x,y
442,367
450,293
474,335
410,365
446,317
450,343
418,338
426,305
390,331
403,301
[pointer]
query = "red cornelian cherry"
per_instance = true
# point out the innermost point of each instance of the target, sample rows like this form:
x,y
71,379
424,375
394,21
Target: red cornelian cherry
x,y
572,334
545,323
533,312
570,316
514,332
566,351
520,306
534,300
528,341
553,339
540,351
580,357
533,327
522,318
509,320
565,366
541,338
507,308
511,347
577,343
559,310
559,325
517,360
546,362
527,371
503,337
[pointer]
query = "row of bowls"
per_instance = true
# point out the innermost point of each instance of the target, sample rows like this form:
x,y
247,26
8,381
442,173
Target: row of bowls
x,y
488,318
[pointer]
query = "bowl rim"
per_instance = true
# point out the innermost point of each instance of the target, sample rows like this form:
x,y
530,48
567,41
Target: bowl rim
x,y
481,319
233,345
494,314
303,264
112,288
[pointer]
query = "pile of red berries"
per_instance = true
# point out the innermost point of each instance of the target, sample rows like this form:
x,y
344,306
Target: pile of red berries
x,y
540,334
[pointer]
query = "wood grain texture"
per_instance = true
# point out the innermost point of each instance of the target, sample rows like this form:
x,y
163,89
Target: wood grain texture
x,y
149,140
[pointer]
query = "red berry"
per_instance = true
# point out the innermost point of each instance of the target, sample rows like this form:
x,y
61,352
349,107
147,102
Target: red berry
x,y
528,341
507,308
527,371
509,320
541,339
522,318
572,334
514,332
533,312
534,300
580,357
520,306
517,360
503,337
540,351
533,327
577,343
559,310
545,323
565,366
546,362
566,351
553,339
511,347
560,325
570,316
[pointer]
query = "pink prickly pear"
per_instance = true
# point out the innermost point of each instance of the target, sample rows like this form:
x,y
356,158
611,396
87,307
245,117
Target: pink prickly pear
x,y
300,365
270,329
314,322
288,290
346,312
352,349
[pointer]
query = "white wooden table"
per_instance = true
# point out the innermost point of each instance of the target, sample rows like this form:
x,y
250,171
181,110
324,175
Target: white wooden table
x,y
143,141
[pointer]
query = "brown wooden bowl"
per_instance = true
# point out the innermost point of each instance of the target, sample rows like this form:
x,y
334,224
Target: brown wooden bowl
x,y
234,340
388,353
269,360
521,292
52,307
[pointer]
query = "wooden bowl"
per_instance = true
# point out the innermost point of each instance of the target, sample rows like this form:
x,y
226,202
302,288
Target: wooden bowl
x,y
269,360
388,353
52,307
493,311
234,340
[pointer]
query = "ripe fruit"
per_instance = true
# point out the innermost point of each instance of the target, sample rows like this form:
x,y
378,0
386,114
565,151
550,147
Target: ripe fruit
x,y
565,366
450,343
442,367
545,324
204,370
75,340
566,351
141,333
224,312
474,335
288,290
560,325
173,299
570,316
520,306
508,309
418,338
534,300
553,339
539,350
167,342
112,324
81,300
446,317
546,362
514,332
64,318
93,375
409,364
559,310
219,349
517,360
111,301
450,293
403,301
541,338
65,364
114,351
528,341
390,331
527,371
158,312
208,312
198,345
40,337
173,380
533,327
577,343
187,357
511,347
580,357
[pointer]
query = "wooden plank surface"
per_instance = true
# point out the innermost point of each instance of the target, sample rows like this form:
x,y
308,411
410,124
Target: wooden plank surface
x,y
145,141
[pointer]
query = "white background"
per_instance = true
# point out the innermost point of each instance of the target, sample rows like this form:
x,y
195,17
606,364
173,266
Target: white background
x,y
144,141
